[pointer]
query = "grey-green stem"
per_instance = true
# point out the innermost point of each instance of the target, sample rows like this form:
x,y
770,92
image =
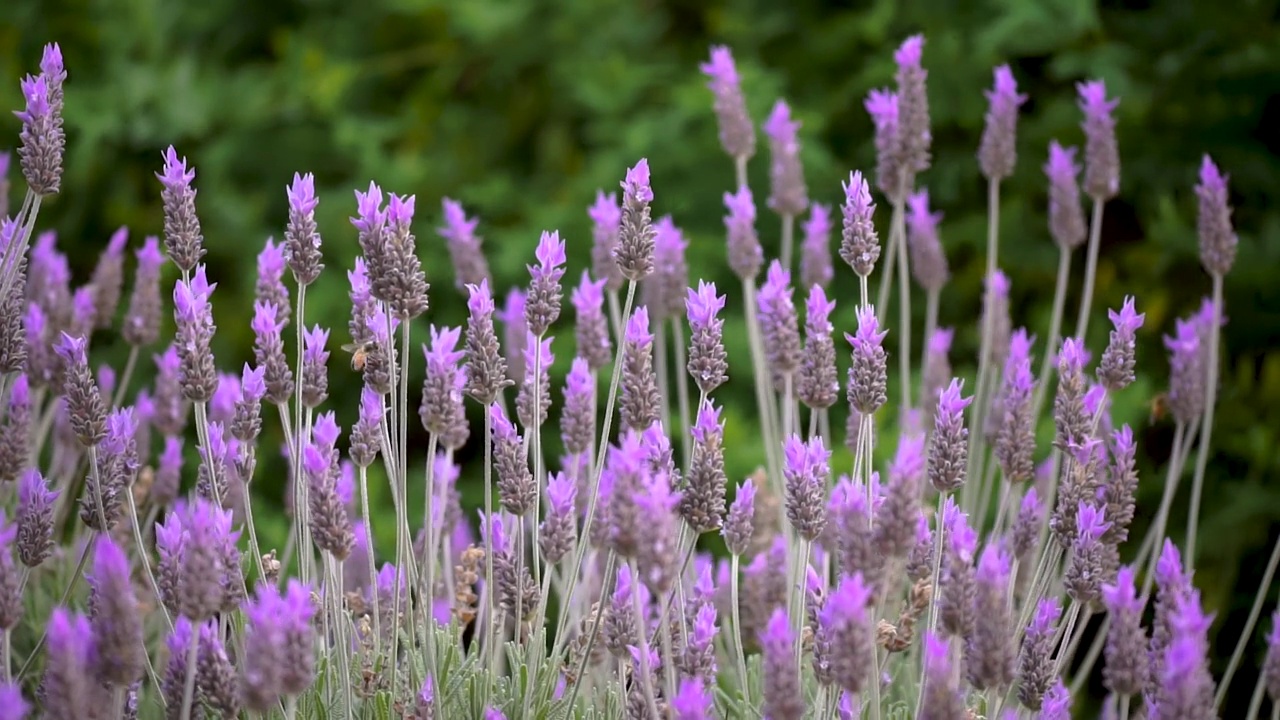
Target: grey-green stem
x,y
1206,425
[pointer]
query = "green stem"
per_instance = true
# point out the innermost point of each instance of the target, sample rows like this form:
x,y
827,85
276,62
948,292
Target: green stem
x,y
189,685
373,573
740,654
1090,269
1206,425
788,239
123,384
682,389
1055,328
904,307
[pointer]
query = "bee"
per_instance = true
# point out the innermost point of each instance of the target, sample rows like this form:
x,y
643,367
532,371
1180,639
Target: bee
x,y
359,354
1159,408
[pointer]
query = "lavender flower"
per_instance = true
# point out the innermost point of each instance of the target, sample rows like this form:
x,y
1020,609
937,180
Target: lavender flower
x,y
739,526
737,136
182,236
68,690
486,367
1125,671
164,489
269,287
949,444
998,151
542,308
691,702
783,698
330,525
1057,702
702,501
936,372
663,291
116,624
15,434
988,652
634,253
920,560
268,352
517,489
1101,158
788,195
1184,687
1122,486
1036,673
1066,219
655,557
940,699
515,335
1015,437
34,518
743,245
1115,371
619,626
530,410
845,621
193,314
699,657
817,385
928,261
577,421
1217,238
1083,579
442,412
606,223
815,248
424,702
1068,405
895,518
778,325
1026,527
10,579
14,707
192,564
859,244
43,140
882,106
459,232
559,529
315,371
996,301
957,584
302,236
914,135
278,658
708,362
805,471
868,375
849,531
639,403
1186,396
84,399
1271,665
215,676
107,281
591,331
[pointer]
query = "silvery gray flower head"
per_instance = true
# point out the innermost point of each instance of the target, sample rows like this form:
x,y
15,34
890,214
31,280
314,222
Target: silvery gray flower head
x,y
1015,439
34,518
577,420
788,197
279,657
1036,673
850,533
529,412
783,697
42,136
514,586
591,329
805,472
815,248
193,314
559,529
1124,671
1066,218
442,412
639,404
116,623
920,560
737,136
949,444
859,244
1101,156
15,434
606,223
1084,576
708,362
702,502
470,267
302,236
657,552
268,352
896,515
1069,416
626,466
914,135
68,689
818,385
542,305
739,525
846,621
315,367
1121,486
1116,369
999,149
1025,532
634,253
385,235
84,398
928,261
957,583
619,625
216,682
330,523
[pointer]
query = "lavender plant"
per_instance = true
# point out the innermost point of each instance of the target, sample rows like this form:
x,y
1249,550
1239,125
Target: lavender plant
x,y
591,591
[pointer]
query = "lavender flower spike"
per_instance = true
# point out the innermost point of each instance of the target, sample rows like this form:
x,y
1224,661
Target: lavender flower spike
x,y
1036,672
634,253
778,325
278,645
940,699
783,698
859,244
806,470
1066,218
882,106
315,371
43,140
1101,157
116,623
1213,223
998,151
302,236
913,107
542,307
1125,670
1271,665
845,621
702,501
34,518
606,224
815,248
83,397
743,245
14,707
639,404
817,385
1115,370
486,367
928,261
663,291
788,196
142,319
692,702
740,524
737,136
459,232
988,652
182,236
68,686
868,375
949,444
591,331
708,362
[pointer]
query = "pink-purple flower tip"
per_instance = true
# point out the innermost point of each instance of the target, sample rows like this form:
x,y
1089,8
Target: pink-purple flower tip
x,y
637,332
51,60
561,491
1128,320
741,207
1093,100
369,209
73,350
707,423
326,430
1091,521
636,184
910,52
998,284
1213,183
721,70
857,196
1048,612
921,221
457,226
479,299
703,304
1004,93
550,251
442,352
869,334
819,222
940,341
818,308
605,213
302,194
588,296
780,127
849,600
35,90
777,633
1061,167
400,210
176,176
882,106
949,400
1122,595
745,498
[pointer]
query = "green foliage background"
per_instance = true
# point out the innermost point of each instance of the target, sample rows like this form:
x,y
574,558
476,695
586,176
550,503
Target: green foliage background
x,y
522,108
